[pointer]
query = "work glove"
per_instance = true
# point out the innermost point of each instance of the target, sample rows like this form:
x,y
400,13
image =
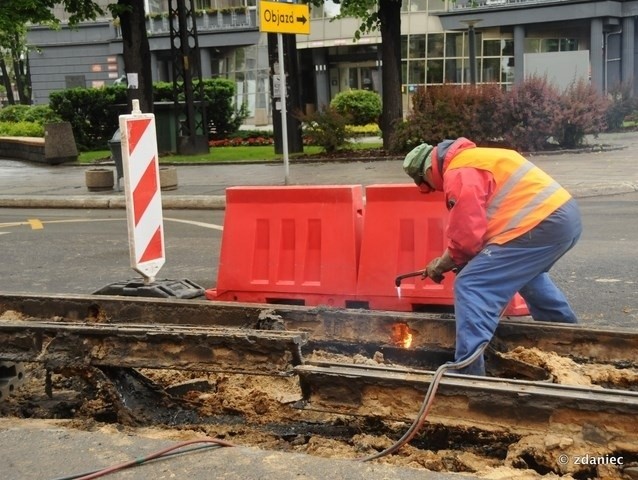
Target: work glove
x,y
438,266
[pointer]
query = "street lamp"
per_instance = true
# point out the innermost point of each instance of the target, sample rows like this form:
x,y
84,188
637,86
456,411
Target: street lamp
x,y
472,41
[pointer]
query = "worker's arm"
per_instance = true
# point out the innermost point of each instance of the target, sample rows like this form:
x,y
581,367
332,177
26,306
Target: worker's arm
x,y
467,191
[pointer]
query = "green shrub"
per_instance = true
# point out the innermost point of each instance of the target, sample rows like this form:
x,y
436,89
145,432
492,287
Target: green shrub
x,y
622,104
326,128
410,133
162,91
223,118
369,130
25,120
247,134
361,107
219,93
92,112
13,113
41,114
21,129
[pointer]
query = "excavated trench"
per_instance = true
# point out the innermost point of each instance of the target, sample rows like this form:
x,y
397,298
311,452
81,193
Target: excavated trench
x,y
467,431
268,412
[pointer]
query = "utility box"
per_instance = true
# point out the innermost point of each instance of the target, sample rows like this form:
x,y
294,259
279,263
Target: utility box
x,y
115,145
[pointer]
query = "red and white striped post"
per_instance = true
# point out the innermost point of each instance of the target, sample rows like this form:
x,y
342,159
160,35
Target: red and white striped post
x,y
143,195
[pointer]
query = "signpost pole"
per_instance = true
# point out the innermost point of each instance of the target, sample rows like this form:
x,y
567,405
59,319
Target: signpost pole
x,y
290,18
284,118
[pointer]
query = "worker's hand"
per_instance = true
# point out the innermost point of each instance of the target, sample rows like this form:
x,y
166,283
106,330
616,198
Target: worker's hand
x,y
438,266
432,271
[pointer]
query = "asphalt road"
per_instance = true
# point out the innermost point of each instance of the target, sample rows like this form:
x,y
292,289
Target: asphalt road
x,y
80,251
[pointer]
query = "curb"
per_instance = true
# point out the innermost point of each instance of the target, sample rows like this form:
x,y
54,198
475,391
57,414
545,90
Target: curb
x,y
601,189
218,202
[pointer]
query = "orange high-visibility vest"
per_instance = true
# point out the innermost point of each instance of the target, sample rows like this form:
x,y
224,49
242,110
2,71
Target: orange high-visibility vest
x,y
524,195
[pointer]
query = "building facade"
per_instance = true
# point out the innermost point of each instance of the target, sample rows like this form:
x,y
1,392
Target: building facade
x,y
505,40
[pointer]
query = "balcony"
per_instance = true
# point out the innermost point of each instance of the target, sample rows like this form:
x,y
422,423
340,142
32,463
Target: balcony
x,y
229,19
487,4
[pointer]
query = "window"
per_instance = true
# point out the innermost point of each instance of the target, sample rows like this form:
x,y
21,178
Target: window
x,y
453,70
568,44
453,44
539,45
435,45
436,5
434,72
491,70
404,46
439,58
550,45
416,73
418,5
417,46
492,48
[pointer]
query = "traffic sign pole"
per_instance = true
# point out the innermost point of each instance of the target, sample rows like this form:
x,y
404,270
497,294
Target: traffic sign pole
x,y
284,116
143,196
282,17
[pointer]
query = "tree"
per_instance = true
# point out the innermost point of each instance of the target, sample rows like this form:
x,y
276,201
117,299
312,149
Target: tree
x,y
15,14
136,50
384,15
14,41
6,80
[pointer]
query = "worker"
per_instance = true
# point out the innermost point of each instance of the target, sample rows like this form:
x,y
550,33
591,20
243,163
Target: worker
x,y
508,223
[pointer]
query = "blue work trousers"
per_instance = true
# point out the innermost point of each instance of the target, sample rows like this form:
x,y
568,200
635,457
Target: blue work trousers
x,y
488,282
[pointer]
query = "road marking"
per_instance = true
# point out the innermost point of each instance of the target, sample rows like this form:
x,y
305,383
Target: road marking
x,y
35,224
13,224
197,224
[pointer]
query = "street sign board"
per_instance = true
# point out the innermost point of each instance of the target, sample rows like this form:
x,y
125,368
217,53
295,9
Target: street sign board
x,y
281,17
143,196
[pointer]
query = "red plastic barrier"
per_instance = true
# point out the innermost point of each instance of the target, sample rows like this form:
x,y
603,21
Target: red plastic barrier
x,y
403,231
296,244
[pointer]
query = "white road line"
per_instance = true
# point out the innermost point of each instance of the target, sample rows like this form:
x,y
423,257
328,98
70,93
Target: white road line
x,y
197,224
37,224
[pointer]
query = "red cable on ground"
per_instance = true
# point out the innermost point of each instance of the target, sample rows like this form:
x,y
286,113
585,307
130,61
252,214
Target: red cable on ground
x,y
152,456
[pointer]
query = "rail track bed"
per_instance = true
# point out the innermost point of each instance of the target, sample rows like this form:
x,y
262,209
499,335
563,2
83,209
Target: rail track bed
x,y
559,401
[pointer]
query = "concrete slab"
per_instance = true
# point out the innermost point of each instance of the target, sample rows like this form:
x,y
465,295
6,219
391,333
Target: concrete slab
x,y
41,449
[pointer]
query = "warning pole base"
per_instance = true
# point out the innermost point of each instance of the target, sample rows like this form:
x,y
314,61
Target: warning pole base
x,y
158,289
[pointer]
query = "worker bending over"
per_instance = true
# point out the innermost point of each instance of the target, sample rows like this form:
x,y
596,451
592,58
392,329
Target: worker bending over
x,y
508,223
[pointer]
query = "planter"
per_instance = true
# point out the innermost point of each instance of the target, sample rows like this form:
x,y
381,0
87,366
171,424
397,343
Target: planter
x,y
59,143
99,179
168,178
